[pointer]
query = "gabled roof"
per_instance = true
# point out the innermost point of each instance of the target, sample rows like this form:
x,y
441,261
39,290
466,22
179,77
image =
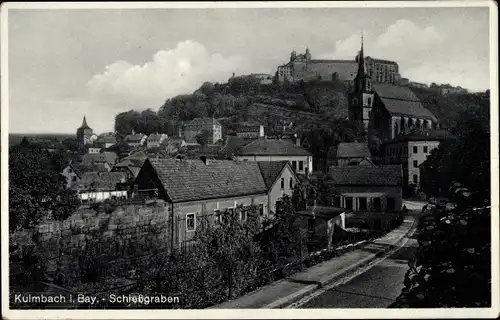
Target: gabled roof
x,y
189,180
387,175
272,147
401,101
423,135
134,137
353,150
234,143
107,156
155,136
203,122
107,139
270,171
100,181
140,155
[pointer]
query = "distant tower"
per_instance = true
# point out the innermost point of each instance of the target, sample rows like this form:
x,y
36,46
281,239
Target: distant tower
x,y
361,98
84,133
293,55
308,54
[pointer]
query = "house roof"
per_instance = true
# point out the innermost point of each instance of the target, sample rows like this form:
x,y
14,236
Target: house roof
x,y
423,135
134,137
401,101
107,139
155,136
272,147
100,181
107,156
248,126
270,171
353,150
139,155
202,122
234,143
381,60
387,175
189,180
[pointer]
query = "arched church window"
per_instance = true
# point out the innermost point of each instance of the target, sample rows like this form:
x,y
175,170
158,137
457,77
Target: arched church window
x,y
369,101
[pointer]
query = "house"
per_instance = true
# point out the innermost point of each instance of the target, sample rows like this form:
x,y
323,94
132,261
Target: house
x,y
107,158
49,144
265,149
352,153
130,167
135,139
94,150
72,174
198,125
107,141
196,189
411,150
99,186
172,145
233,143
155,139
368,189
249,130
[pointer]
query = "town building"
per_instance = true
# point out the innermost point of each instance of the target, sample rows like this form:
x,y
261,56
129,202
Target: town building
x,y
384,109
445,89
155,139
368,188
265,149
106,157
198,189
94,150
411,150
418,85
302,67
249,129
99,186
198,125
352,153
382,71
135,139
85,135
263,78
130,167
106,141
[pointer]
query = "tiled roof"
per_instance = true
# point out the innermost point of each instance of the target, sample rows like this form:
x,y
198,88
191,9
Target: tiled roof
x,y
401,101
81,168
107,156
107,139
206,121
272,147
381,60
247,126
130,163
234,143
140,155
270,170
189,180
353,150
387,175
100,181
134,137
155,136
423,135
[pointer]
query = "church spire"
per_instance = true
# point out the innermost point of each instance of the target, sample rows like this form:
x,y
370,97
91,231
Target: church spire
x,y
84,123
361,76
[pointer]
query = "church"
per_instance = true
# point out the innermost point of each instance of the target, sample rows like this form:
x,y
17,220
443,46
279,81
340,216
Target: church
x,y
85,135
384,109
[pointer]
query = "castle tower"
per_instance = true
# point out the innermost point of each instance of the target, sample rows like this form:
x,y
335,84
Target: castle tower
x,y
361,98
308,54
84,133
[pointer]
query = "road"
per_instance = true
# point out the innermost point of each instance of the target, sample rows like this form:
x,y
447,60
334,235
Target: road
x,y
377,287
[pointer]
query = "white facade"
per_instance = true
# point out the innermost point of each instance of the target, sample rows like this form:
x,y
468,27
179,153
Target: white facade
x,y
282,186
98,196
411,154
157,141
94,150
298,163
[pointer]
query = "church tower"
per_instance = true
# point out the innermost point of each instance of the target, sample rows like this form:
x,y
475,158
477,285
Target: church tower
x,y
360,99
84,133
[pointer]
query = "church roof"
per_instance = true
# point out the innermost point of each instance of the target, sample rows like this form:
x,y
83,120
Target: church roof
x,y
401,101
84,124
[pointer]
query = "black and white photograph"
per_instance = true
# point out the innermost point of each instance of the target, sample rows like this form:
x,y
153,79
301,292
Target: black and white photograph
x,y
249,160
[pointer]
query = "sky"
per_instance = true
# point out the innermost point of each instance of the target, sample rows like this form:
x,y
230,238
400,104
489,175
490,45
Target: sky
x,y
64,64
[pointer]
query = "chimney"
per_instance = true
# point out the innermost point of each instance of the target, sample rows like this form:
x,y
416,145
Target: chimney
x,y
205,160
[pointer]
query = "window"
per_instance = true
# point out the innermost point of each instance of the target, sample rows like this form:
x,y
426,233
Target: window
x,y
291,183
415,178
190,222
415,149
294,165
243,215
73,178
362,203
261,209
301,165
426,149
218,216
282,183
415,163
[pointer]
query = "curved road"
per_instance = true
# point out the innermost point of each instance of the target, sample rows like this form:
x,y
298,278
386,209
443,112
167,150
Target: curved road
x,y
377,287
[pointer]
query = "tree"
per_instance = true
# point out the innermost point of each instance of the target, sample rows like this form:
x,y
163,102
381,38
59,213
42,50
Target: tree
x,y
36,187
204,137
